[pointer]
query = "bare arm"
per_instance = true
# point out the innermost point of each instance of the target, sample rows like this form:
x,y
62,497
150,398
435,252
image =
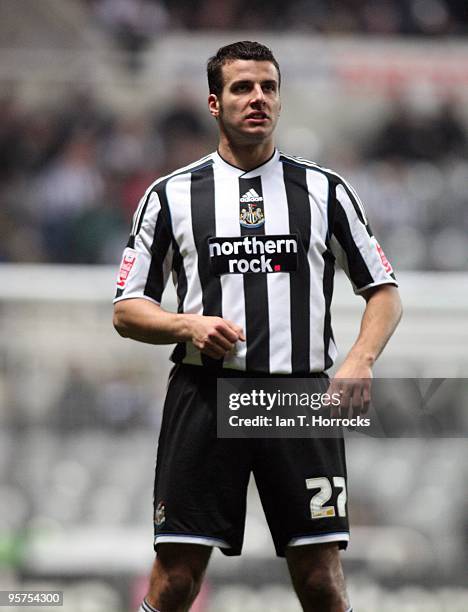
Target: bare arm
x,y
145,321
379,321
381,316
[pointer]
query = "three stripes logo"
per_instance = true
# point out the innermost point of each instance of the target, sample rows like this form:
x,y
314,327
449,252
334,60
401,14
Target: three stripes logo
x,y
251,209
251,196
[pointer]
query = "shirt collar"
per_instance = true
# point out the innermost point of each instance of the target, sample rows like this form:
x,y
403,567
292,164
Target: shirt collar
x,y
258,171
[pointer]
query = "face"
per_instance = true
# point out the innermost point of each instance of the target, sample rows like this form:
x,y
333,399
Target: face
x,y
249,105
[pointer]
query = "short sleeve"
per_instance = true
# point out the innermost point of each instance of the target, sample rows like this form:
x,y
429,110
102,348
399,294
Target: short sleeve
x,y
353,244
147,259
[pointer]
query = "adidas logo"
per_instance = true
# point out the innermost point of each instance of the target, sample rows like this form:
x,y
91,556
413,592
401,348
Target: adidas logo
x,y
251,196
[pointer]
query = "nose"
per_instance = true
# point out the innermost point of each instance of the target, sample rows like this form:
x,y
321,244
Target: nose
x,y
258,95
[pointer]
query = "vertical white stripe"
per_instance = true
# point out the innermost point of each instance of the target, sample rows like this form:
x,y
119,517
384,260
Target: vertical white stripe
x,y
232,285
332,350
279,296
138,276
178,197
345,182
317,184
167,265
139,210
357,198
366,244
144,239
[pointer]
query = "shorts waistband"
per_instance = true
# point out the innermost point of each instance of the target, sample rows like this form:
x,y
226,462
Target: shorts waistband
x,y
230,373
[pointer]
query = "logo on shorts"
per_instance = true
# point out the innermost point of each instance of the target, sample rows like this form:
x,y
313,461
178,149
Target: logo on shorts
x,y
251,209
128,260
160,514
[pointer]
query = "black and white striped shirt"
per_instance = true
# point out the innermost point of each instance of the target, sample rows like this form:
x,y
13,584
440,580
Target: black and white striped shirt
x,y
258,248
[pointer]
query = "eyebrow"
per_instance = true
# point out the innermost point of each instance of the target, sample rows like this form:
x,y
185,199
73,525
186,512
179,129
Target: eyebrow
x,y
250,81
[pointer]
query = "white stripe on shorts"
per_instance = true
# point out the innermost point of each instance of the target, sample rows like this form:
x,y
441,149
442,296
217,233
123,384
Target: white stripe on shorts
x,y
190,539
338,536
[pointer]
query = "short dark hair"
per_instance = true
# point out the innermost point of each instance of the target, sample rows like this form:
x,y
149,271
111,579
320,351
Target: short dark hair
x,y
244,50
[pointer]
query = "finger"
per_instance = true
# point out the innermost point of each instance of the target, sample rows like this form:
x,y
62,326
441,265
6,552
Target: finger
x,y
333,407
366,398
344,405
337,409
334,386
221,342
346,394
334,389
213,352
208,348
357,399
225,330
237,329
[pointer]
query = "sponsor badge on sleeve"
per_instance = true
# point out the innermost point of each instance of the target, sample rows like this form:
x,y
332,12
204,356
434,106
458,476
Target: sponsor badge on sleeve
x,y
128,261
383,258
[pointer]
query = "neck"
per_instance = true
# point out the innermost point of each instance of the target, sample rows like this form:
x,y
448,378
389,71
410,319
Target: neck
x,y
246,157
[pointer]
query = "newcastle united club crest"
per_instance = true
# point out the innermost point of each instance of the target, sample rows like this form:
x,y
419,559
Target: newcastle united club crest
x,y
160,514
251,209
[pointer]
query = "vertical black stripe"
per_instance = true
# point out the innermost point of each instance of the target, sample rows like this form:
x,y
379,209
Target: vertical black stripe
x,y
256,298
161,242
202,205
178,267
358,270
328,278
131,238
180,350
354,202
297,193
142,213
328,275
357,208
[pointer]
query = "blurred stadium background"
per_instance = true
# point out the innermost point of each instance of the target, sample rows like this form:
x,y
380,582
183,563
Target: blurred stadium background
x,y
98,98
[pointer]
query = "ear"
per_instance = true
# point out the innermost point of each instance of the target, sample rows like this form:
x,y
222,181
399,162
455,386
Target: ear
x,y
213,105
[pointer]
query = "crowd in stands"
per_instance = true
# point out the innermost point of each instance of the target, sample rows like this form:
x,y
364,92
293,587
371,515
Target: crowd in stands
x,y
71,177
412,177
72,173
136,22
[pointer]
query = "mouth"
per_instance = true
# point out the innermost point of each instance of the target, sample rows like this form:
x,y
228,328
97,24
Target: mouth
x,y
257,117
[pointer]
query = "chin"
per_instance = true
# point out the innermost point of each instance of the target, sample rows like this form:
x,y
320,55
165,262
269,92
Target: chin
x,y
252,136
257,136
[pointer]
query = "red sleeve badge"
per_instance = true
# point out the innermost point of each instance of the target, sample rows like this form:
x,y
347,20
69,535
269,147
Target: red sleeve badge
x,y
383,258
128,261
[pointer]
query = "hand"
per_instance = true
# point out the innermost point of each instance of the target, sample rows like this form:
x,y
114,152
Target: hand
x,y
214,336
353,383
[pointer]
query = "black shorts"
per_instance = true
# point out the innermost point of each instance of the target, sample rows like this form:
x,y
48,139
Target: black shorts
x,y
201,480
